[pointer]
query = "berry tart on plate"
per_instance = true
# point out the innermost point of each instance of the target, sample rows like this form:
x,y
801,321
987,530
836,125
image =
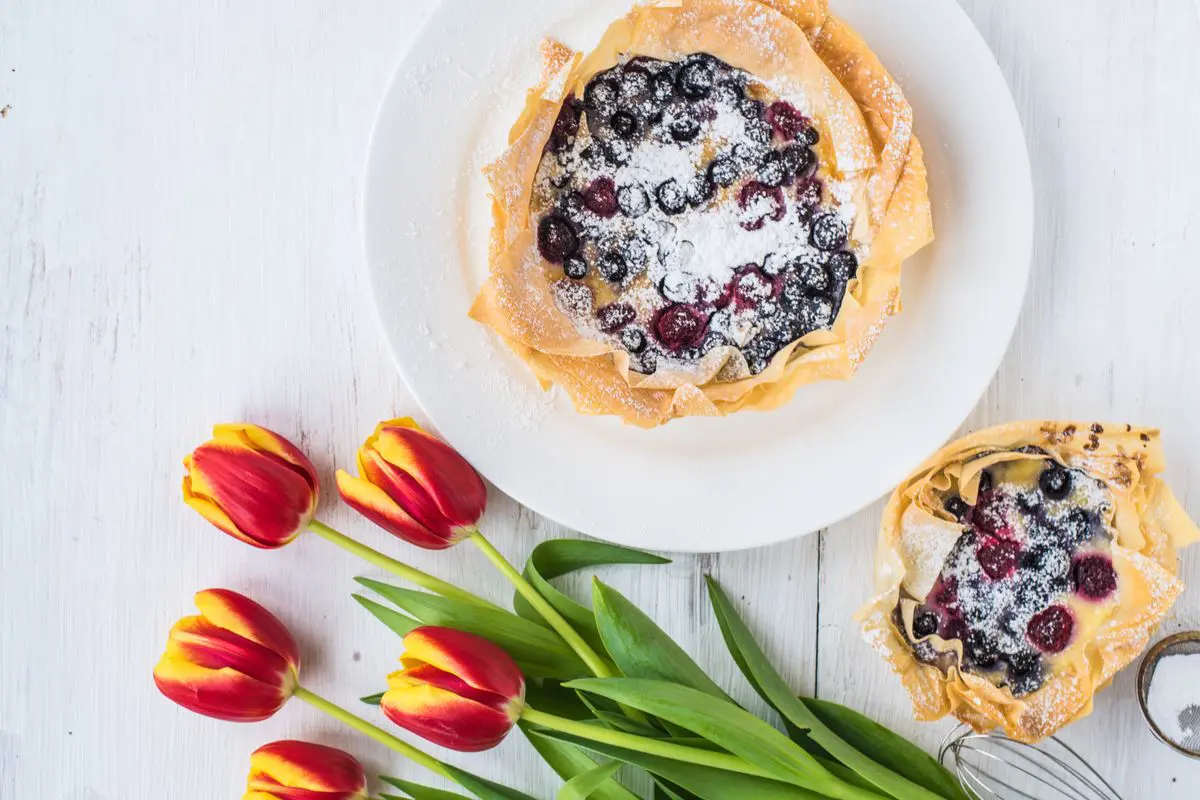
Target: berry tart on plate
x,y
1021,567
706,212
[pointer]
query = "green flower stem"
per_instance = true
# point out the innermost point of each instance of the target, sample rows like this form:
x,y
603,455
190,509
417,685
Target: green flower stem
x,y
594,662
644,744
397,568
378,734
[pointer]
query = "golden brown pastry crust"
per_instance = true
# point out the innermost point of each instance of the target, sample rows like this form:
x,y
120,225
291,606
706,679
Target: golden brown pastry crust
x,y
1150,526
867,141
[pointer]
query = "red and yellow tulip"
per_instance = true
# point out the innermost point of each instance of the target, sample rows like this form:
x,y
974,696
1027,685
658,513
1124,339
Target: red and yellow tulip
x,y
235,661
415,486
292,770
455,689
253,484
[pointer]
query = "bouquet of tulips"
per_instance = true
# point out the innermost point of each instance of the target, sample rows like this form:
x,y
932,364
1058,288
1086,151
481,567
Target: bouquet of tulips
x,y
593,689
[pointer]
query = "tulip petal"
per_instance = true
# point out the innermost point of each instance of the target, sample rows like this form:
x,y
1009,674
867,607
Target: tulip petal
x,y
478,662
445,718
375,504
246,618
447,478
293,770
221,693
262,439
266,498
406,492
212,512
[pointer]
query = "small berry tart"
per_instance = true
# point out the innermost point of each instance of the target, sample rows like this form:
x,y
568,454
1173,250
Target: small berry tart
x,y
1020,568
708,211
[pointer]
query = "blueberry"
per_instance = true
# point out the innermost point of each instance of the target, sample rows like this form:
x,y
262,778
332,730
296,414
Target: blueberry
x,y
635,88
797,160
752,109
814,275
956,506
575,267
1080,526
844,265
772,171
624,124
663,88
759,353
566,126
633,201
700,190
615,316
672,198
1055,482
925,623
723,172
1024,662
1046,560
1029,502
985,482
810,136
556,239
612,266
647,362
808,196
982,649
633,340
600,96
696,77
684,129
828,232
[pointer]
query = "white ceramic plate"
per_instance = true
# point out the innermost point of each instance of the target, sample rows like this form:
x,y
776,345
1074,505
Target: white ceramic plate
x,y
696,484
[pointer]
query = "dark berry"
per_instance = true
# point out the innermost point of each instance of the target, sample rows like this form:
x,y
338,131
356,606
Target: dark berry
x,y
678,326
672,198
633,201
729,92
575,267
985,481
1093,576
760,203
944,595
663,88
1050,630
954,629
615,316
828,232
723,171
998,558
925,623
647,362
814,275
696,77
600,97
957,507
556,239
1046,560
1029,502
1055,482
844,265
572,205
636,89
633,340
810,136
754,110
808,196
1080,526
613,267
990,514
750,286
700,190
600,197
566,126
786,119
772,172
981,649
1024,662
624,124
797,160
758,353
684,129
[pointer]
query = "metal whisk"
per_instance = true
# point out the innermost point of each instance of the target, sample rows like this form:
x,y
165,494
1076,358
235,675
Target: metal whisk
x,y
991,766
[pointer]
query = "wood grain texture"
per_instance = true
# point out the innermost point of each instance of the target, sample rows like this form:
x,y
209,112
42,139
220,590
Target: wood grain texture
x,y
179,212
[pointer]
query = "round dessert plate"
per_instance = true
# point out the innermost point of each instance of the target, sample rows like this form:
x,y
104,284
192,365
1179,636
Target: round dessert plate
x,y
695,484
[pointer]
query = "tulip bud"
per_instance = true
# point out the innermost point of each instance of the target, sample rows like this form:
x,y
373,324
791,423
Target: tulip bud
x,y
253,484
456,689
415,486
235,661
291,770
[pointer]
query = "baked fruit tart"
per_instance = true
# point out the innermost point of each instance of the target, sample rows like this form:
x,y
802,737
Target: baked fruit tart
x,y
706,212
1021,567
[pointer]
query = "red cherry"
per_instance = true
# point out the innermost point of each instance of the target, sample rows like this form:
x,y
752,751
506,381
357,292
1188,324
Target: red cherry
x,y
600,197
786,119
1050,630
679,326
1094,577
759,203
999,557
944,595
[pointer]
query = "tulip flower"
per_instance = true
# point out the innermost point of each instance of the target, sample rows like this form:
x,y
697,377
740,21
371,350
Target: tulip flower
x,y
456,689
261,489
235,661
291,770
420,489
415,486
253,484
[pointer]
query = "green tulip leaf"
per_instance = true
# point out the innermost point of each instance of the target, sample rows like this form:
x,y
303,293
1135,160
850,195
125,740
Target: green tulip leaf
x,y
665,790
570,762
402,624
706,783
482,787
616,719
550,696
871,751
416,791
719,721
372,699
640,648
559,557
537,650
588,784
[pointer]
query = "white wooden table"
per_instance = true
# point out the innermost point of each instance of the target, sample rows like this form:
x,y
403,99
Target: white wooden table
x,y
179,189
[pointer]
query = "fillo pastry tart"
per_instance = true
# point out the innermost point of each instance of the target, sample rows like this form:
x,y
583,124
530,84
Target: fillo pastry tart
x,y
1021,567
706,212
